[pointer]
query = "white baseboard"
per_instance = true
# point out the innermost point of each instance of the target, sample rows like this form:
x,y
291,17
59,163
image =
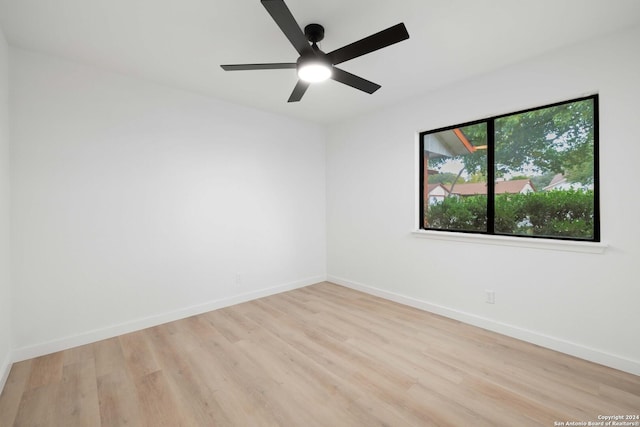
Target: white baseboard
x,y
4,371
558,344
88,337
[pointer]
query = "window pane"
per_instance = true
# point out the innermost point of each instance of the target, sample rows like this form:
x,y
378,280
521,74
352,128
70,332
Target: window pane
x,y
544,168
455,179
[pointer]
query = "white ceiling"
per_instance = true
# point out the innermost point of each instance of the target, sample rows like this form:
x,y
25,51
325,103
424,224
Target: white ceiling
x,y
181,43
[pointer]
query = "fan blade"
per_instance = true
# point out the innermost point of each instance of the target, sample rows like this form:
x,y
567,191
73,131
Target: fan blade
x,y
376,41
298,91
274,66
354,81
287,23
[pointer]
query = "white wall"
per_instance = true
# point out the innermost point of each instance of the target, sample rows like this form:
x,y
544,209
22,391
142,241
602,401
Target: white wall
x,y
133,203
5,290
585,304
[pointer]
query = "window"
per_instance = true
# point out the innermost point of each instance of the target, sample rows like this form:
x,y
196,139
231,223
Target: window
x,y
532,173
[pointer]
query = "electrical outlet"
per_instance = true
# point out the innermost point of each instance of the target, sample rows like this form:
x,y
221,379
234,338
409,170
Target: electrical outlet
x,y
238,279
490,296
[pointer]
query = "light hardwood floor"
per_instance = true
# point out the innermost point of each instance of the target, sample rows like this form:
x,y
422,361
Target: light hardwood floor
x,y
322,355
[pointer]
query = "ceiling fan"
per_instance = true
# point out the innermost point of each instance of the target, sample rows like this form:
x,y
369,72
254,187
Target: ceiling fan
x,y
313,65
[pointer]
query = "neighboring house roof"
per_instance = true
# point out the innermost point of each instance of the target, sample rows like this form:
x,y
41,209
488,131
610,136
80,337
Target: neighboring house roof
x,y
448,143
470,189
432,187
502,187
559,180
515,186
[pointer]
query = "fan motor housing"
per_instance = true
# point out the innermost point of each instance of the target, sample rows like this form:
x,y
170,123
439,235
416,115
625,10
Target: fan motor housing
x,y
314,32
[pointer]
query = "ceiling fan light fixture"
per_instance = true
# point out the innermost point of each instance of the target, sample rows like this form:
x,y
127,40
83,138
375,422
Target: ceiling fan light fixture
x,y
314,72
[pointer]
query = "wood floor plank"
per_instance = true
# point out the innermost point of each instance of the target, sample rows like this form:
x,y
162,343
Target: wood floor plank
x,y
118,400
46,370
77,354
258,387
108,356
315,356
137,354
77,400
13,391
383,389
38,407
157,403
307,384
178,356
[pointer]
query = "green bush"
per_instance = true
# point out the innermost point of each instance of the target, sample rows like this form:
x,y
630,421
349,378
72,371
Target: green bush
x,y
553,214
468,214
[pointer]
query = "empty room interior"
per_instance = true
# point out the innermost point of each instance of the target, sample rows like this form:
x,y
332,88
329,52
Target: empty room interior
x,y
196,230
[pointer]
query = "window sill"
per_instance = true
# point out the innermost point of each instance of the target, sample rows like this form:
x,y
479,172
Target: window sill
x,y
547,244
